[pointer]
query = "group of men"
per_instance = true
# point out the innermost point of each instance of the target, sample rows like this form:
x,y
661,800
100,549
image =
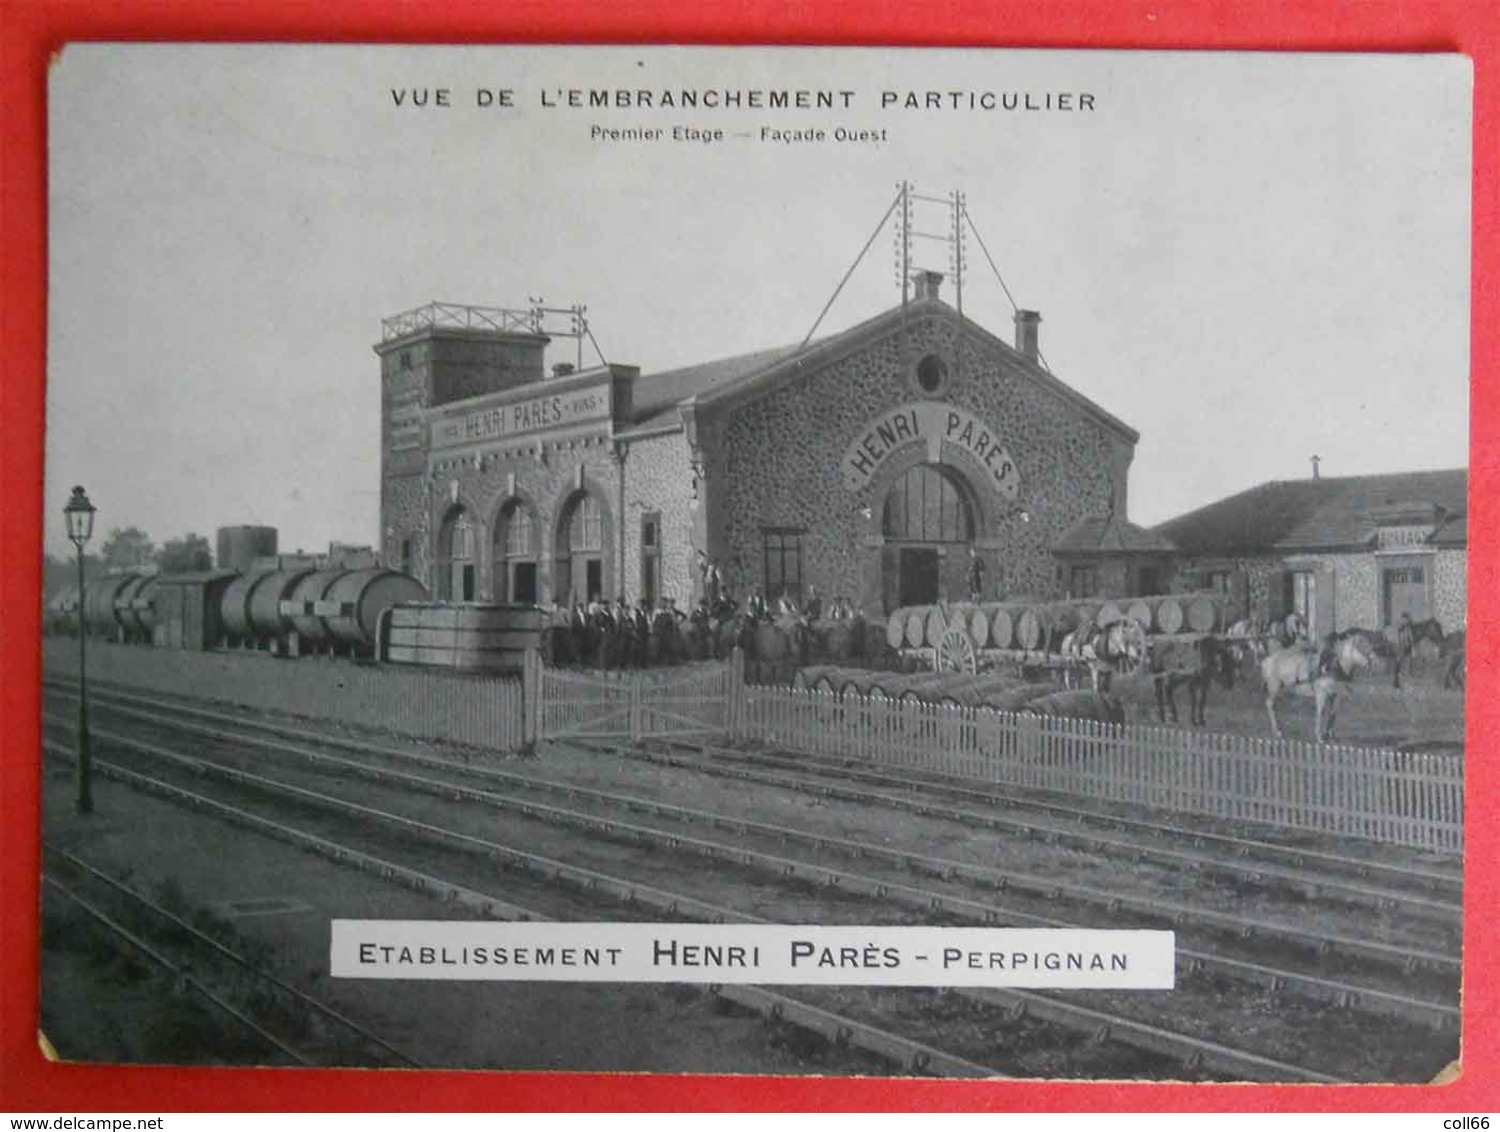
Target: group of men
x,y
757,608
624,635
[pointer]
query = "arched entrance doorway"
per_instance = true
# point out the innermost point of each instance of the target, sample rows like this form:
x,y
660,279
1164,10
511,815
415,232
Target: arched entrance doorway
x,y
579,567
515,554
454,567
928,524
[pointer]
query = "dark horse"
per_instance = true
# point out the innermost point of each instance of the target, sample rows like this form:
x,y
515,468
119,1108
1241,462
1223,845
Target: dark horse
x,y
1376,645
1194,662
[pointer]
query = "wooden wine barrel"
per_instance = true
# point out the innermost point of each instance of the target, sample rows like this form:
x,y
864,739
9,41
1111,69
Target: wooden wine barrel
x,y
973,690
1202,613
913,686
1140,612
916,627
1108,614
1003,627
1079,615
1170,615
1031,626
895,628
1011,699
936,626
809,677
851,681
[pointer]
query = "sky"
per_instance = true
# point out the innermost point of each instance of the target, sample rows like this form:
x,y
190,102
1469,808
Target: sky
x,y
1250,259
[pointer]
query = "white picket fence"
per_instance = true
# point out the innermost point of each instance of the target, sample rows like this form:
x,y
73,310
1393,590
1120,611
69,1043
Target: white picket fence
x,y
632,704
1395,797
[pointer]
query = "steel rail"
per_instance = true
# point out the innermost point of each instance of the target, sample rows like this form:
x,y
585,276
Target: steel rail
x,y
229,953
176,970
1302,881
1176,914
1193,1052
904,1052
947,785
1313,883
820,767
1437,1015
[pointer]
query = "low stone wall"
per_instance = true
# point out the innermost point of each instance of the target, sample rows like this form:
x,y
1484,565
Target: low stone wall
x,y
479,711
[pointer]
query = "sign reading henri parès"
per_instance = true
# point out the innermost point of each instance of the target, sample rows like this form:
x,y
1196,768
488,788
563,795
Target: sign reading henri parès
x,y
932,423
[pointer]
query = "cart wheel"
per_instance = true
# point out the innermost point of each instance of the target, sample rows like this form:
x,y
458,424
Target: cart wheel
x,y
955,653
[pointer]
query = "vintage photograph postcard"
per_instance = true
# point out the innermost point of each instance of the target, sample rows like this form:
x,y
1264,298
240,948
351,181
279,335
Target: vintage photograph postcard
x,y
839,562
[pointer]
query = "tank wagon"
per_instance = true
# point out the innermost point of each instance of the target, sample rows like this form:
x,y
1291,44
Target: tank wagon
x,y
287,611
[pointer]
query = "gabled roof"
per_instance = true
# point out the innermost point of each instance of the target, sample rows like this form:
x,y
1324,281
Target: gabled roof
x,y
1111,535
654,395
1454,532
1314,514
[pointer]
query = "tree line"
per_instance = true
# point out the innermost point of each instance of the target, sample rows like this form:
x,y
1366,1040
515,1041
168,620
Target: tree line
x,y
129,548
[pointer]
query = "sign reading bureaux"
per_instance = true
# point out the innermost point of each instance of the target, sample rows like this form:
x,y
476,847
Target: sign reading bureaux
x,y
930,423
551,410
768,954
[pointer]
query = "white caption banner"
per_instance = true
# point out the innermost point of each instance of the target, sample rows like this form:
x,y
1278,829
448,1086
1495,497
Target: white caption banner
x,y
763,954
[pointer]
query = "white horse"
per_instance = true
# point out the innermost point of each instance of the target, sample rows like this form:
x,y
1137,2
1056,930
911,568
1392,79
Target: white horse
x,y
1307,671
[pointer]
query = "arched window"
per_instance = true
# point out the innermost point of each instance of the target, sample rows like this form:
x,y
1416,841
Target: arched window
x,y
515,554
927,505
578,570
455,558
584,532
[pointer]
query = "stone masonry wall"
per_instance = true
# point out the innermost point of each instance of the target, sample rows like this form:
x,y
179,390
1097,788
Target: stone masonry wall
x,y
659,477
1450,589
775,462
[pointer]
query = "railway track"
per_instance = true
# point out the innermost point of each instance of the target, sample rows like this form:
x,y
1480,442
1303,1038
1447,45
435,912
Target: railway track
x,y
1282,986
292,1024
1245,932
840,1023
1428,888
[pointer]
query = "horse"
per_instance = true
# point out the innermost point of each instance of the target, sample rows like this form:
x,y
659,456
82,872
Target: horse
x,y
1192,661
1305,672
1410,634
1118,647
1377,646
1451,652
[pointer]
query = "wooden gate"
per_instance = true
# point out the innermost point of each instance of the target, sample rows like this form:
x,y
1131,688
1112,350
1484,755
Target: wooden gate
x,y
635,704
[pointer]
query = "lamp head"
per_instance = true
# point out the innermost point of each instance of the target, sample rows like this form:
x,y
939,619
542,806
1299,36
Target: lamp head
x,y
79,513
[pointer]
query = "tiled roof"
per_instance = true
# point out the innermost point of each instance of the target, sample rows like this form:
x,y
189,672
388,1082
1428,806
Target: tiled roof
x,y
1453,532
1111,535
655,394
1315,514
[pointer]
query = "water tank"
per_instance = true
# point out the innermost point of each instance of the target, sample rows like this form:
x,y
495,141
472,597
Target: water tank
x,y
237,548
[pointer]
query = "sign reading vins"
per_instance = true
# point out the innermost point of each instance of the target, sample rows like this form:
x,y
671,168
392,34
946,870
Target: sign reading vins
x,y
553,410
932,424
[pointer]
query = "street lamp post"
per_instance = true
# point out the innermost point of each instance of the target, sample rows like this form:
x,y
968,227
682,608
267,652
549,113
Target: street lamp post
x,y
79,513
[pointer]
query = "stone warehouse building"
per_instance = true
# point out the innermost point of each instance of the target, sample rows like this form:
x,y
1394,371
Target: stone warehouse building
x,y
1346,552
878,464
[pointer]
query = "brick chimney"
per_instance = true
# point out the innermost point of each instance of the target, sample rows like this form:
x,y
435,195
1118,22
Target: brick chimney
x,y
1027,323
925,284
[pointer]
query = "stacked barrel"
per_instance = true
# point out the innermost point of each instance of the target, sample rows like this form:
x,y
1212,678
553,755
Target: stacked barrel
x,y
1033,625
